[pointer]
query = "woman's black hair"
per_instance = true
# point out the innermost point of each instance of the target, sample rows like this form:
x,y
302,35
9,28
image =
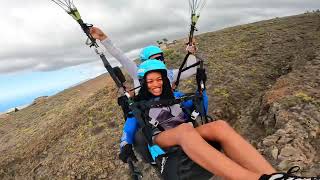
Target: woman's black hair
x,y
167,92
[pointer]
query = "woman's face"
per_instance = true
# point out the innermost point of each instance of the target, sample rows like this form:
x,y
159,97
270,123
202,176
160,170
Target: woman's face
x,y
154,83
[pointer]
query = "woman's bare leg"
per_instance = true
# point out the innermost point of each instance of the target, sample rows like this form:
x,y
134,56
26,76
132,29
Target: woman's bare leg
x,y
235,146
203,154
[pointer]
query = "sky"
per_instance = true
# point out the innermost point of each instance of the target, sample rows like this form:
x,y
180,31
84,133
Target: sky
x,y
43,51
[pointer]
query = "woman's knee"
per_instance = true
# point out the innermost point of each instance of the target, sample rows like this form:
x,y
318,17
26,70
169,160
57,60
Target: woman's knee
x,y
220,125
217,126
221,129
185,130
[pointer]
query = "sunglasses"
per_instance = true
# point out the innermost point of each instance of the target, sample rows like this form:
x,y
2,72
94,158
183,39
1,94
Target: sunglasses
x,y
160,58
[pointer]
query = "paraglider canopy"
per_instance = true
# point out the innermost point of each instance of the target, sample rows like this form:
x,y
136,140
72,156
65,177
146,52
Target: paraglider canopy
x,y
195,8
196,5
69,7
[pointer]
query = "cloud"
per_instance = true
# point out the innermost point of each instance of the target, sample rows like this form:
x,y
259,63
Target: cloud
x,y
39,36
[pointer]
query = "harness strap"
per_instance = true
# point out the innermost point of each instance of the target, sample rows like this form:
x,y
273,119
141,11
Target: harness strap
x,y
137,110
191,66
180,69
200,108
169,102
153,122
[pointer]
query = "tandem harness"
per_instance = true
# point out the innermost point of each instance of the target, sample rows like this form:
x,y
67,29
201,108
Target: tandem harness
x,y
141,112
172,163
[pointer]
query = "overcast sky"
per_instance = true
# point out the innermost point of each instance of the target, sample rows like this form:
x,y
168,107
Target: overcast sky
x,y
38,36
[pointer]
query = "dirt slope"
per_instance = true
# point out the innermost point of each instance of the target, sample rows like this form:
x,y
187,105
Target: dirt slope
x,y
264,78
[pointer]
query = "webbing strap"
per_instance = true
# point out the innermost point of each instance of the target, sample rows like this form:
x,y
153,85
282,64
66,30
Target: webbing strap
x,y
143,124
191,66
180,69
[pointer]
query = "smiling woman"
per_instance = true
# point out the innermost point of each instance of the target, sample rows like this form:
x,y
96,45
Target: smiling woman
x,y
169,126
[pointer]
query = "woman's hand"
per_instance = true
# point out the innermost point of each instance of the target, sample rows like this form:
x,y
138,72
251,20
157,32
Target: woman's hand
x,y
191,48
127,152
97,33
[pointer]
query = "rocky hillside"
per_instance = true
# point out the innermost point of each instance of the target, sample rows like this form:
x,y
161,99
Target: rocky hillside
x,y
264,79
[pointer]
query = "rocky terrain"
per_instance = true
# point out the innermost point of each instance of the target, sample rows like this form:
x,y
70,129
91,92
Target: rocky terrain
x,y
263,78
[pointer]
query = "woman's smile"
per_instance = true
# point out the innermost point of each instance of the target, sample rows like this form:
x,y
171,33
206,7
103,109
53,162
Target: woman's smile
x,y
157,90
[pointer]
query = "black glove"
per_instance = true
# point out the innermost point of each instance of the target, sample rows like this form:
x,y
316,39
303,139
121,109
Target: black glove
x,y
123,103
201,75
127,152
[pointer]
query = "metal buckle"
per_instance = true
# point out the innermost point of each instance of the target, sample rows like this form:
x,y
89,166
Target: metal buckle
x,y
154,122
194,115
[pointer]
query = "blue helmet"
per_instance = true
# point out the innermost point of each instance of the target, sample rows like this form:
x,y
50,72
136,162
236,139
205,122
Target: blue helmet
x,y
149,51
150,65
